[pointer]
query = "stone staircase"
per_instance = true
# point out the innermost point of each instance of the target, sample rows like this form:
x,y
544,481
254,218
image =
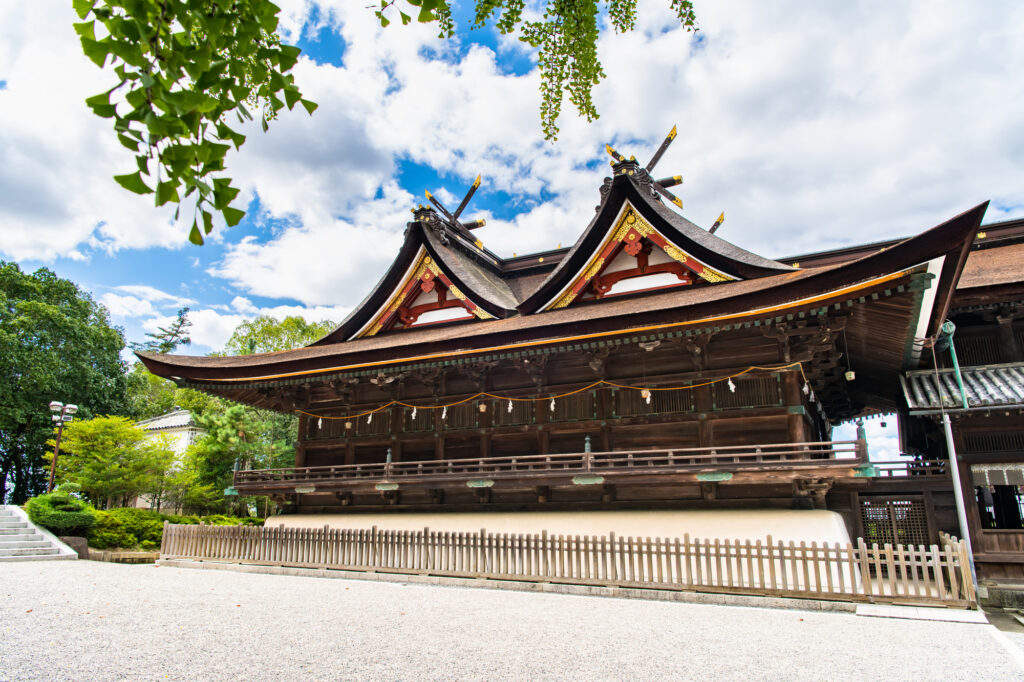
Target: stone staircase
x,y
21,540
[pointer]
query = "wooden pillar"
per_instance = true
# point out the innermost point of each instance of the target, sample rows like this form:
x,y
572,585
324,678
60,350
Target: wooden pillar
x,y
543,441
705,426
604,413
300,450
793,397
439,447
485,420
350,451
1009,349
541,415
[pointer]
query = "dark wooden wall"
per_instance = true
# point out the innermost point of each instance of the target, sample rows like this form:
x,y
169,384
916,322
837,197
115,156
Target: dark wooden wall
x,y
765,407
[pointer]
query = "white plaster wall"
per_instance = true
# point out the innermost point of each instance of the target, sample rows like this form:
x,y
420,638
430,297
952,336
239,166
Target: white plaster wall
x,y
177,438
782,525
803,525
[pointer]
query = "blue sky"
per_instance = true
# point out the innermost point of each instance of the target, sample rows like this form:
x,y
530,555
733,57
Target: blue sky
x,y
810,126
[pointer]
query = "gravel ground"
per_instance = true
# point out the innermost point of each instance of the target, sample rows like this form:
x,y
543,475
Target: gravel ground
x,y
85,620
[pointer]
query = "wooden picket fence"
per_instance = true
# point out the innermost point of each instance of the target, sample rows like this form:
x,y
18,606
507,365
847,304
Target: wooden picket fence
x,y
897,574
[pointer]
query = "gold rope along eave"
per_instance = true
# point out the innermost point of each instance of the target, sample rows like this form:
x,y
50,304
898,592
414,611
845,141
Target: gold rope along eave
x,y
556,396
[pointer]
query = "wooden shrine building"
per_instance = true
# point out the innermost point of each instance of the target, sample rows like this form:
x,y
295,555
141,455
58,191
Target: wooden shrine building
x,y
652,365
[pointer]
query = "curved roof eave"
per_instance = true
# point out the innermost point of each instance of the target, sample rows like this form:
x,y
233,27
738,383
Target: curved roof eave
x,y
366,308
950,241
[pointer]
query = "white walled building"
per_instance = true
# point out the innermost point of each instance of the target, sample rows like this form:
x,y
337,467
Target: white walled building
x,y
180,431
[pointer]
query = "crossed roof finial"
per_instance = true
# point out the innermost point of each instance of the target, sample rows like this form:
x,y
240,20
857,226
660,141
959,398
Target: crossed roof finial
x,y
451,220
661,185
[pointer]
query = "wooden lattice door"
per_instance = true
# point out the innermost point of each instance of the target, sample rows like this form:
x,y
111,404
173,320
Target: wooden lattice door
x,y
895,521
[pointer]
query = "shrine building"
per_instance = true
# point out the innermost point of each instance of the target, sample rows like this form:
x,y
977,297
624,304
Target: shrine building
x,y
658,368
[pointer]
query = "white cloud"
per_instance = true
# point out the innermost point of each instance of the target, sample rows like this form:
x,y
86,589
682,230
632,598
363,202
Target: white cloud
x,y
153,294
883,441
811,126
56,188
308,313
324,262
127,306
209,332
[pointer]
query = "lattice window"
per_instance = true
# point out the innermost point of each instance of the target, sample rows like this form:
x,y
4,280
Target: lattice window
x,y
578,407
750,392
631,403
522,413
462,416
379,425
994,442
977,350
423,421
895,521
327,429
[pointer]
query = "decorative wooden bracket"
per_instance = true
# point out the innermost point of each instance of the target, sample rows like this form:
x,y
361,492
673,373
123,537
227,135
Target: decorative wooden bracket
x,y
812,490
709,490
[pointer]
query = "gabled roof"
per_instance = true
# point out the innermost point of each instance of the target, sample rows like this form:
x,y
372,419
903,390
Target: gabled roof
x,y
500,288
628,199
933,259
473,276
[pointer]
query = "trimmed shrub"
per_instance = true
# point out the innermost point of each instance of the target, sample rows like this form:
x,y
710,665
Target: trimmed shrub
x,y
220,520
182,520
109,532
129,527
145,524
61,514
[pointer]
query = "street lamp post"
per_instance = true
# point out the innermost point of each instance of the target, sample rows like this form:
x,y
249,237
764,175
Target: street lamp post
x,y
61,415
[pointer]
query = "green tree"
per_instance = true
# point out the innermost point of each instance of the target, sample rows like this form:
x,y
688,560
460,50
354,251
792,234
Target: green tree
x,y
112,460
565,38
237,439
56,343
167,339
151,396
188,487
186,70
266,334
237,435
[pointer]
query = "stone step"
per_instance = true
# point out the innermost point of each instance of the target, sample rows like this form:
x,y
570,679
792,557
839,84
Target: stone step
x,y
24,537
41,543
17,531
13,524
40,557
36,551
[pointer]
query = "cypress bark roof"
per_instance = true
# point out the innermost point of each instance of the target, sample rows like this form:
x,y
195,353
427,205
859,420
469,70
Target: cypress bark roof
x,y
940,251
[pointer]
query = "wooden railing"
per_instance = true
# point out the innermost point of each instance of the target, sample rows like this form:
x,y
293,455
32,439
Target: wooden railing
x,y
908,467
727,458
859,573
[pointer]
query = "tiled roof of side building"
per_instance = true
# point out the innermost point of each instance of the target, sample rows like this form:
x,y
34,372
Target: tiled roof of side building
x,y
171,420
